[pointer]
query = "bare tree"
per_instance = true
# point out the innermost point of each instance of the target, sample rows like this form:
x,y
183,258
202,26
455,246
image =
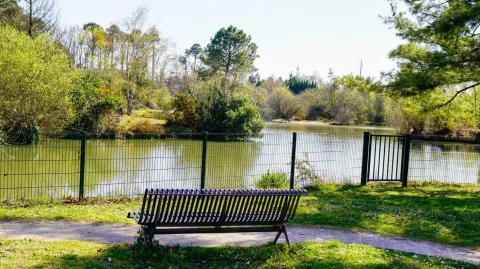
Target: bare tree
x,y
42,16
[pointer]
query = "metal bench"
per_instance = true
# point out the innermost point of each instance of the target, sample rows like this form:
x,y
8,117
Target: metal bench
x,y
181,211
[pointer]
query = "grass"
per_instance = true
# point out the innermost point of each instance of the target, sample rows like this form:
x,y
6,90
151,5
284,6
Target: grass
x,y
443,213
438,212
143,121
149,113
333,254
91,210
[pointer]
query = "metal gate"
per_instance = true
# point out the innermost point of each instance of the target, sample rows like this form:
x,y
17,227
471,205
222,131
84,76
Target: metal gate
x,y
385,158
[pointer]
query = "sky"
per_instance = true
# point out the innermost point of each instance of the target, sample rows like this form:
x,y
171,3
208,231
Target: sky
x,y
313,35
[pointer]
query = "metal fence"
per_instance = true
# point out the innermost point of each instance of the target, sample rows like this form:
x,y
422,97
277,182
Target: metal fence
x,y
59,168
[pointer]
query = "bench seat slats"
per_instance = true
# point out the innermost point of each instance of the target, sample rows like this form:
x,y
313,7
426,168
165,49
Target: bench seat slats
x,y
171,207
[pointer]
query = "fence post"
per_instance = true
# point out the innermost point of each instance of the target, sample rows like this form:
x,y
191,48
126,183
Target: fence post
x,y
406,159
82,167
204,160
365,156
292,165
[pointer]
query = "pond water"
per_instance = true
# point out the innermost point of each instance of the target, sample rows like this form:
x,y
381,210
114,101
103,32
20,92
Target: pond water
x,y
126,167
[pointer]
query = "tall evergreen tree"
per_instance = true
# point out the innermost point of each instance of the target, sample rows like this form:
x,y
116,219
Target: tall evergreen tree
x,y
442,49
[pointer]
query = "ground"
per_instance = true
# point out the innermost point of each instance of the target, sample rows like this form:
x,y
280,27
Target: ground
x,y
437,212
333,254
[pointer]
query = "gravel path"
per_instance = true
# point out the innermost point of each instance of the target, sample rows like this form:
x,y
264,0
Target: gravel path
x,y
113,233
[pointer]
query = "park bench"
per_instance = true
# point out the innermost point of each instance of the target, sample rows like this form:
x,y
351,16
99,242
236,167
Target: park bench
x,y
181,211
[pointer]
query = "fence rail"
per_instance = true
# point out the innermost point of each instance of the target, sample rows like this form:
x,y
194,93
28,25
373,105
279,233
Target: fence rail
x,y
80,167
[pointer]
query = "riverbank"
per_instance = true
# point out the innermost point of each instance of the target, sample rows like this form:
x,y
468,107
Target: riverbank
x,y
436,212
328,124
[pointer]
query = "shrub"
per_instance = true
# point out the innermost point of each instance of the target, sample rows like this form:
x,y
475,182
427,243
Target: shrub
x,y
185,113
232,113
90,105
273,181
145,126
220,112
35,77
286,105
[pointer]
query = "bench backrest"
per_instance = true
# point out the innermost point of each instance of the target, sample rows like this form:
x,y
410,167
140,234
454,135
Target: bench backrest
x,y
181,207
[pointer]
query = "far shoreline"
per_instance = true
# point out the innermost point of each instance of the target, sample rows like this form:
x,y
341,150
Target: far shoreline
x,y
327,124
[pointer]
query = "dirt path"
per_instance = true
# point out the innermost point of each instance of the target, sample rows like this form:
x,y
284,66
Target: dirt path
x,y
112,233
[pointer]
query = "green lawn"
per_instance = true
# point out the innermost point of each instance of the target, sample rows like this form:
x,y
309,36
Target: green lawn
x,y
92,210
438,212
77,254
442,213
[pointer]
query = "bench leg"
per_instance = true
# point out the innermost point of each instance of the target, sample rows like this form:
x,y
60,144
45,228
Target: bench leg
x,y
147,235
284,231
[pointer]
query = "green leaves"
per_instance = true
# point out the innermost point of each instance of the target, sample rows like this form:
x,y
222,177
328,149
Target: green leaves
x,y
442,49
231,53
35,77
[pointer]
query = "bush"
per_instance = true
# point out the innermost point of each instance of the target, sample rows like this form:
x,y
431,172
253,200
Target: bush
x,y
220,112
144,126
35,77
286,105
233,114
185,113
273,181
90,105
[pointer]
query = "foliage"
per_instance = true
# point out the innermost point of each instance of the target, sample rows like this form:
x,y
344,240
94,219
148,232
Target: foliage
x,y
230,53
441,49
274,180
91,104
132,61
186,114
211,109
232,114
330,254
195,51
35,78
306,174
160,99
298,85
285,105
11,14
419,114
344,100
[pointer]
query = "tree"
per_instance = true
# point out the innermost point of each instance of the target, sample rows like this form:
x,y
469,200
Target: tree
x,y
230,53
42,16
298,85
90,106
97,42
35,78
442,49
11,14
195,51
153,39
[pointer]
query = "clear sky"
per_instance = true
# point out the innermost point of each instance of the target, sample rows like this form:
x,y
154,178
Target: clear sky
x,y
314,35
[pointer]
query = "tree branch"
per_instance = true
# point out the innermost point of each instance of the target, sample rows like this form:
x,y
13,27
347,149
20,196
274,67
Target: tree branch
x,y
457,93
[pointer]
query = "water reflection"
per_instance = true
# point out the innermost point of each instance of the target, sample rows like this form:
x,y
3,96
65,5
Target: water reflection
x,y
127,167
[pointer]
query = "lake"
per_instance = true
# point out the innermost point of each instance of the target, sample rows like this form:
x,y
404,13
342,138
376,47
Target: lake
x,y
126,167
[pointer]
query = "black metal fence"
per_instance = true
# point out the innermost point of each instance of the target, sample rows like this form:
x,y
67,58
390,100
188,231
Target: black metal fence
x,y
58,167
385,158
